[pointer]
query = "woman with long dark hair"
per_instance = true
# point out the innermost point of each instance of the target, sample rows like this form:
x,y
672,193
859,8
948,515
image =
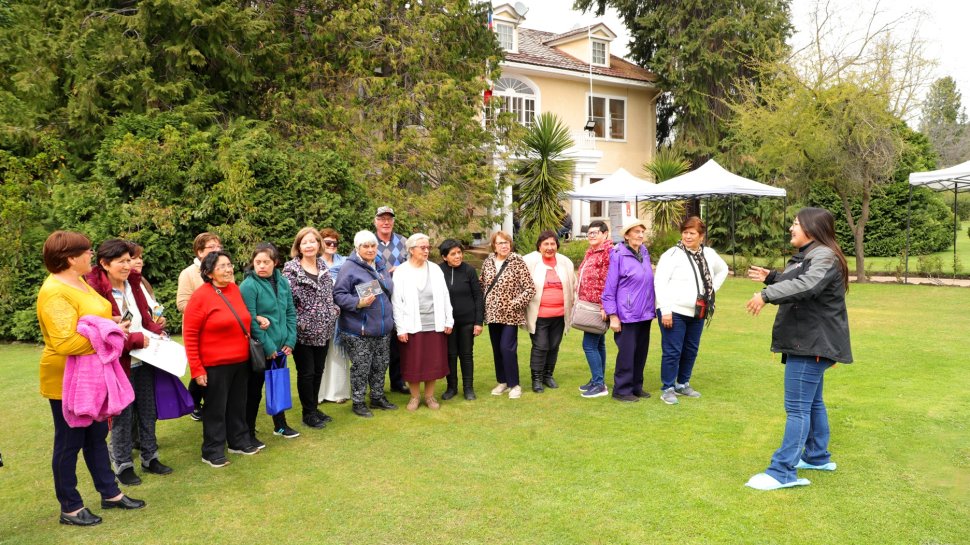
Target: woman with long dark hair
x,y
811,332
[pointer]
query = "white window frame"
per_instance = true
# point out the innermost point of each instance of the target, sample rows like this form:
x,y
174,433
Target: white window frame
x,y
592,53
521,102
512,48
606,110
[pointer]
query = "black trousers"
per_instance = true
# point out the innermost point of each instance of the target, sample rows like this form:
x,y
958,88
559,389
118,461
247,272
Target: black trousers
x,y
545,343
310,362
68,442
254,396
198,394
461,344
394,364
224,417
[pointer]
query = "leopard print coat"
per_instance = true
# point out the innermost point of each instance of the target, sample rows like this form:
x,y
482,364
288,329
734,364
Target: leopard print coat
x,y
506,302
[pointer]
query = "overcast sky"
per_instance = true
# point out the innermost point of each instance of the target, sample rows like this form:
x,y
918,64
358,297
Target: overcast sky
x,y
943,24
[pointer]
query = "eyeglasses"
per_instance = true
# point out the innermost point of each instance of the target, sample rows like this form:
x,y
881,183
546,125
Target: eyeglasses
x,y
215,248
502,243
330,243
224,267
425,248
593,232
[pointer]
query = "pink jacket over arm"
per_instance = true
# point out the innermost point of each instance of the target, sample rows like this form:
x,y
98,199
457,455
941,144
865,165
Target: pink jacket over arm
x,y
95,385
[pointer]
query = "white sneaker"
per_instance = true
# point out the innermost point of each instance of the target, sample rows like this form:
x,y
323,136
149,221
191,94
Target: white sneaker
x,y
500,389
515,393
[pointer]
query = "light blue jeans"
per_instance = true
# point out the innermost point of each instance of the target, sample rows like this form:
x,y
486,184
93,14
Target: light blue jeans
x,y
595,348
807,426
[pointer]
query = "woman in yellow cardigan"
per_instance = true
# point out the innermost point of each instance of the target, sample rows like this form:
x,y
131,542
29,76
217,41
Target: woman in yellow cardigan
x,y
63,299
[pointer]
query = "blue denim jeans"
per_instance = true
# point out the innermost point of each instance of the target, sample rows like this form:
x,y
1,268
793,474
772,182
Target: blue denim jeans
x,y
680,344
807,426
595,348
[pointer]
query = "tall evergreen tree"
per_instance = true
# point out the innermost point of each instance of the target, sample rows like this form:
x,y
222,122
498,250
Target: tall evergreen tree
x,y
702,51
944,122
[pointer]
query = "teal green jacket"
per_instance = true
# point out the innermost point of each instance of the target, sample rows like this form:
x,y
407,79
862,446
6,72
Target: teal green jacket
x,y
277,306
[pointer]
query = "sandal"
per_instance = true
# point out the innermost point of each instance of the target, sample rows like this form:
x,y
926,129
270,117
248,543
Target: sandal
x,y
432,403
413,404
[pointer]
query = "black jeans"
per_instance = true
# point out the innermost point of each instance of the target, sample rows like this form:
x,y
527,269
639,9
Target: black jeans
x,y
68,442
224,417
310,362
545,343
254,396
461,344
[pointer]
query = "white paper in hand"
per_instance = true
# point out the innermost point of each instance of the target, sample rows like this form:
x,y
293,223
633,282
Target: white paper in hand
x,y
163,353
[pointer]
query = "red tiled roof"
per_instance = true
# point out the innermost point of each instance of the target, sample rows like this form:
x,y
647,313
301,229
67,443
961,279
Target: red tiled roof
x,y
532,50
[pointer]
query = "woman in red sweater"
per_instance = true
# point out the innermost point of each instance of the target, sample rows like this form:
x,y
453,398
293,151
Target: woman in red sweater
x,y
215,327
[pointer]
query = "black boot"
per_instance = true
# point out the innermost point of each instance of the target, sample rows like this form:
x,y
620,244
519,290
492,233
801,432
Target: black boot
x,y
537,382
452,389
469,389
547,376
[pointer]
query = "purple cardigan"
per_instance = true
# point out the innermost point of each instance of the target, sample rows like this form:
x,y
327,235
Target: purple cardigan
x,y
628,292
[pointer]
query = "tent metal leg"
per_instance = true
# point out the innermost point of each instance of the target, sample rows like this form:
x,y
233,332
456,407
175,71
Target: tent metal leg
x,y
956,228
909,215
734,248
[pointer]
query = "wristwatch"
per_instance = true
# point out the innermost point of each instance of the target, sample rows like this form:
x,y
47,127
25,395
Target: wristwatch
x,y
764,296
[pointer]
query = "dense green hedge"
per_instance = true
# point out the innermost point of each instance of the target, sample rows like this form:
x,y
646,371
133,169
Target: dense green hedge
x,y
155,183
885,234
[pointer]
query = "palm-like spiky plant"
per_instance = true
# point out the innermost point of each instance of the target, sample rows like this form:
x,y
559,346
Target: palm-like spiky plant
x,y
666,164
544,174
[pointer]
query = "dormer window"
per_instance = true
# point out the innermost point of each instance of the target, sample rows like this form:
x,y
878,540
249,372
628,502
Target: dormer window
x,y
506,36
599,55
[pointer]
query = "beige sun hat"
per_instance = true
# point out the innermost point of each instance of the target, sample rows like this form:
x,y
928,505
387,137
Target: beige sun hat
x,y
631,223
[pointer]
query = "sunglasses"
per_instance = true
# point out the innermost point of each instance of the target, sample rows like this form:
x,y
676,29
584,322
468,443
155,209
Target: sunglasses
x,y
330,243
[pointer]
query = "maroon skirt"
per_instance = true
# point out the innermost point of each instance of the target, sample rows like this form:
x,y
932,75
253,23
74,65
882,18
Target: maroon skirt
x,y
424,356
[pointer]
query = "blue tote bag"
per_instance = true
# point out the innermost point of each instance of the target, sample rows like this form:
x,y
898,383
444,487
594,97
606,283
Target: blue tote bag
x,y
278,397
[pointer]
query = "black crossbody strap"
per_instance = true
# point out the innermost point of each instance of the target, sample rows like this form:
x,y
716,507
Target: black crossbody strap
x,y
238,319
497,275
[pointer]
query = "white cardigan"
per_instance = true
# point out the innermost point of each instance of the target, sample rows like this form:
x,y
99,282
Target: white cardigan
x,y
674,282
567,274
407,316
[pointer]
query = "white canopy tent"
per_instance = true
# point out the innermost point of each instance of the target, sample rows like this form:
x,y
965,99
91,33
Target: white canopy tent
x,y
708,181
712,181
619,186
955,179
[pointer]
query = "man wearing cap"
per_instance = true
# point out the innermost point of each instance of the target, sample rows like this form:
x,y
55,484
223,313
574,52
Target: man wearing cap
x,y
392,249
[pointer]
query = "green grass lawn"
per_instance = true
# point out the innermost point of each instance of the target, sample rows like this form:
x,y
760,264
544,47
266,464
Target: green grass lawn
x,y
889,264
556,468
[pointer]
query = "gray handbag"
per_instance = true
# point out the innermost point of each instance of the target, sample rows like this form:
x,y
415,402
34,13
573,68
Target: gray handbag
x,y
587,317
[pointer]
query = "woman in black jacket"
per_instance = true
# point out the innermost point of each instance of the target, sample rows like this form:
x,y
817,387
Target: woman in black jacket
x,y
469,312
811,332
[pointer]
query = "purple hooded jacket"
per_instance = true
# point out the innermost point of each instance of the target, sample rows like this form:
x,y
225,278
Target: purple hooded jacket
x,y
628,292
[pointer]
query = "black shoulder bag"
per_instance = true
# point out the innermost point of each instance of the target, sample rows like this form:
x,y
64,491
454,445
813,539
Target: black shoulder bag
x,y
257,354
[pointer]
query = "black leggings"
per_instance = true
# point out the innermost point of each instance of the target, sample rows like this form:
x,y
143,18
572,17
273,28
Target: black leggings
x,y
310,361
461,344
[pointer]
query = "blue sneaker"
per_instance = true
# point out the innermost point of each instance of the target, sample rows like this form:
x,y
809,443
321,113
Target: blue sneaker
x,y
586,386
596,390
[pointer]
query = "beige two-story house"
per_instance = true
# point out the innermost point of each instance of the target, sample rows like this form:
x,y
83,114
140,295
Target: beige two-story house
x,y
574,75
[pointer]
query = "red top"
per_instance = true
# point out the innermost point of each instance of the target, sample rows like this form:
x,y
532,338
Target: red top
x,y
592,272
553,302
211,333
